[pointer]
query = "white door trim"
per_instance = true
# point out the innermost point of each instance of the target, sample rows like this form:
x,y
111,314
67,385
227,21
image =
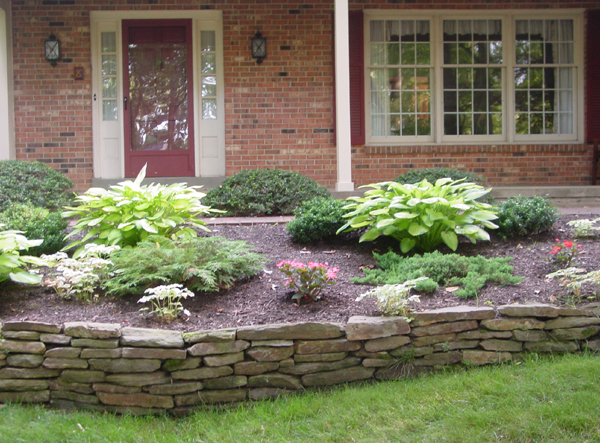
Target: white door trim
x,y
209,140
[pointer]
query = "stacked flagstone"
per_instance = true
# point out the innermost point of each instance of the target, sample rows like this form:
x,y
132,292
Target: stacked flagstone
x,y
106,367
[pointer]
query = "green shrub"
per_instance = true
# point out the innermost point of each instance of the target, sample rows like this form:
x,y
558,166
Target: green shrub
x,y
258,192
433,174
36,222
421,216
130,212
444,269
520,216
203,264
13,265
34,183
317,219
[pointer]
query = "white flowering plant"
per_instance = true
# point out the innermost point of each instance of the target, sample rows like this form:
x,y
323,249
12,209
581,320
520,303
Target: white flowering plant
x,y
165,301
584,227
394,299
80,278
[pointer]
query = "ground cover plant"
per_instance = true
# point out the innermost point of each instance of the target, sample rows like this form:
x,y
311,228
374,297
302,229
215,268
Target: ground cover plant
x,y
543,399
256,192
421,216
468,274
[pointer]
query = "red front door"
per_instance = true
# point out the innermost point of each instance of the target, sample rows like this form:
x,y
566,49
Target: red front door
x,y
158,100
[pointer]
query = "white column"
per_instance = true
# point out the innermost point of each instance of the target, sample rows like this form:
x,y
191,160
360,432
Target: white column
x,y
6,145
342,98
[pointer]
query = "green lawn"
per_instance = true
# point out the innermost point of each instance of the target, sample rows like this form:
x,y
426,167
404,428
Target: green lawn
x,y
551,399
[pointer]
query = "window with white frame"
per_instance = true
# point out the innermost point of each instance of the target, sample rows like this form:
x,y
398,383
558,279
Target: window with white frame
x,y
493,77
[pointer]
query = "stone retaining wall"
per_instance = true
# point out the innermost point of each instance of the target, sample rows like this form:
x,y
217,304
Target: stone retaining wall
x,y
141,371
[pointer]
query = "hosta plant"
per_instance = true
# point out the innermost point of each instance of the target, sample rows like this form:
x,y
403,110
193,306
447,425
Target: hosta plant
x,y
422,216
166,301
130,212
13,265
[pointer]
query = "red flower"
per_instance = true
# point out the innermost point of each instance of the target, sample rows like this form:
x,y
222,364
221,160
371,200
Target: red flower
x,y
568,244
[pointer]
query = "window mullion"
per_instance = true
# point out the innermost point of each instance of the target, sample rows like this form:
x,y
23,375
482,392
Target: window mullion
x,y
509,78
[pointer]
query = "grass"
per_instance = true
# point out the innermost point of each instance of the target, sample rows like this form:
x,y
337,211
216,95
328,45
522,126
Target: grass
x,y
545,399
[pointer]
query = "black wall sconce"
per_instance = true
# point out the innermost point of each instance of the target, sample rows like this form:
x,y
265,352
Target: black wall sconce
x,y
259,47
52,49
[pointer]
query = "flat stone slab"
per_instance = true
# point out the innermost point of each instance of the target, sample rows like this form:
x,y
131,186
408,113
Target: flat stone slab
x,y
141,400
151,338
212,348
292,331
25,397
202,373
528,310
22,335
28,373
223,359
478,358
254,367
451,314
25,360
444,328
154,353
176,388
95,343
386,343
22,347
31,326
65,363
311,368
82,329
275,380
571,322
326,346
218,335
23,385
139,379
124,365
368,328
270,353
510,324
66,352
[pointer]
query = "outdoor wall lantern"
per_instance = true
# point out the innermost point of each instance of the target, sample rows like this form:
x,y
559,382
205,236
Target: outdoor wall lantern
x,y
259,47
52,49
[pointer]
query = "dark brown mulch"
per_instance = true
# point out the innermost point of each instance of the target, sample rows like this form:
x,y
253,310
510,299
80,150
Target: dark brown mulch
x,y
265,300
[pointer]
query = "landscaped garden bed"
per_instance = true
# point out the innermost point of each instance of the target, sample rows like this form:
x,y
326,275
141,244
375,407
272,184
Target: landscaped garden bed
x,y
264,299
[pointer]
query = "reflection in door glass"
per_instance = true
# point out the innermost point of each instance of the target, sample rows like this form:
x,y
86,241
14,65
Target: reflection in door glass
x,y
208,68
158,93
109,76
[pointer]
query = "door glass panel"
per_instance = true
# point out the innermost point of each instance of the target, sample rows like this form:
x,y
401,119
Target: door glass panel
x,y
208,62
158,89
108,72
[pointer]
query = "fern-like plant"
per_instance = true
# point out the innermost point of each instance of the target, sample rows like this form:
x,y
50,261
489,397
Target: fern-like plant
x,y
202,264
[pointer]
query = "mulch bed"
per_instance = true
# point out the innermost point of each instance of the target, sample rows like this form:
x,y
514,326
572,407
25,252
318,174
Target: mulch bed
x,y
265,300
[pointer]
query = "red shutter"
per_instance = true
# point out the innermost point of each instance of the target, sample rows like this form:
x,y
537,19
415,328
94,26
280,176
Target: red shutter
x,y
357,82
593,74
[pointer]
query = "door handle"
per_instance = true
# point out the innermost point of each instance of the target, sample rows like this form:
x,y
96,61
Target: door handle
x,y
125,103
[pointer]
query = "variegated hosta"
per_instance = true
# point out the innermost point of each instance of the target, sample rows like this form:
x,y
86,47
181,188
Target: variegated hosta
x,y
129,212
423,215
13,265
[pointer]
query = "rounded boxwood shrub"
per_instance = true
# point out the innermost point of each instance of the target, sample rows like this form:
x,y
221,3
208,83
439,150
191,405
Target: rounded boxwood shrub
x,y
34,183
36,223
520,216
433,174
317,219
256,192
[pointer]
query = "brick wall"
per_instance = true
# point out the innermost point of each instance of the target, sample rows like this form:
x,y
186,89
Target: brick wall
x,y
278,114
